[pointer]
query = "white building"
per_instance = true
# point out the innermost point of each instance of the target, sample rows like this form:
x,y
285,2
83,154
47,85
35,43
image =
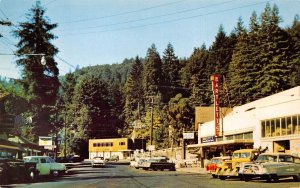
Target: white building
x,y
272,122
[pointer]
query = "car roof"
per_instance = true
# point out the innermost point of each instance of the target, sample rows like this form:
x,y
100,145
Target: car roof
x,y
223,157
36,157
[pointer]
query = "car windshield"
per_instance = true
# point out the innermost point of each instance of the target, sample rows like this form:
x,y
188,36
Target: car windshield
x,y
266,158
98,158
241,155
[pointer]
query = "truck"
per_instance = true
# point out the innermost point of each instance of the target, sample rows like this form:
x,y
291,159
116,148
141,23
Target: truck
x,y
158,164
230,168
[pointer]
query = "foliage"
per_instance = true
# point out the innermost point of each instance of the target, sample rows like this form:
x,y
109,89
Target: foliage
x,y
40,82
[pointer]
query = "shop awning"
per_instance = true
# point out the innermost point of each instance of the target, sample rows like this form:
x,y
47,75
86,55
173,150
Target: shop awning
x,y
5,144
226,142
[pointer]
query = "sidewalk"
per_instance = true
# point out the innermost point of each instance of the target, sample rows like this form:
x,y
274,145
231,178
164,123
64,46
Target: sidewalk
x,y
197,170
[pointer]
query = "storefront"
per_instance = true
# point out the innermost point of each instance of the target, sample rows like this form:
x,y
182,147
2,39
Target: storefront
x,y
120,147
272,122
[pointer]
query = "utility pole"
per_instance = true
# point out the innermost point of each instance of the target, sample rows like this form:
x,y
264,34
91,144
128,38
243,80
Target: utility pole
x,y
65,125
151,128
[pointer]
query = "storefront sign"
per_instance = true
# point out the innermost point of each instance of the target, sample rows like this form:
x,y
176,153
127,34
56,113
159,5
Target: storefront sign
x,y
208,139
188,135
45,141
215,78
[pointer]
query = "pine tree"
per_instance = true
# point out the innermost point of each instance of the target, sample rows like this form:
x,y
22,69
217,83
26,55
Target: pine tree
x,y
152,72
134,95
40,81
170,71
294,32
275,56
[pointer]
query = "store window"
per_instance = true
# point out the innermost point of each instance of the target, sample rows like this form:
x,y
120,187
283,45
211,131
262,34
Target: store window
x,y
277,129
248,135
289,125
268,129
280,126
272,121
263,129
283,126
295,124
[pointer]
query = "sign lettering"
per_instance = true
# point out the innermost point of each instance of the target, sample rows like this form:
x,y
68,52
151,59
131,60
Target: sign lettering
x,y
215,78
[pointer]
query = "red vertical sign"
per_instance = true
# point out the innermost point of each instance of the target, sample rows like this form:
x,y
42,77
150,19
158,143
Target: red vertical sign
x,y
215,78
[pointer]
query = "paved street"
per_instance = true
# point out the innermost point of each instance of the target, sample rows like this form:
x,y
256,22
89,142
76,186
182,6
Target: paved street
x,y
123,176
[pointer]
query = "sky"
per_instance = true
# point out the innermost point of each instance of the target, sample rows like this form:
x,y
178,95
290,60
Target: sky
x,y
96,32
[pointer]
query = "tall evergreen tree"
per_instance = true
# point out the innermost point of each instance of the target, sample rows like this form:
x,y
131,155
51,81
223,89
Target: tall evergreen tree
x,y
275,56
294,32
170,71
134,95
152,72
40,81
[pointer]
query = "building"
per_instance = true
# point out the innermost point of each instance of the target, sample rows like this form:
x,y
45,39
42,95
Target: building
x,y
272,122
121,147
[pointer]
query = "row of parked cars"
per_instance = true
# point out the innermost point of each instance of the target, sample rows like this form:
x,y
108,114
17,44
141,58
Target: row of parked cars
x,y
249,164
154,163
28,169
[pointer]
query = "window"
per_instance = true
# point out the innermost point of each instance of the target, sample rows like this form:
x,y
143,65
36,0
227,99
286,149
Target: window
x,y
121,143
283,126
280,126
43,160
295,125
289,125
94,144
277,128
268,129
248,135
230,137
263,129
272,127
239,136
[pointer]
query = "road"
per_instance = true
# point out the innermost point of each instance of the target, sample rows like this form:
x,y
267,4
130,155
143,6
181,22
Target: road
x,y
122,176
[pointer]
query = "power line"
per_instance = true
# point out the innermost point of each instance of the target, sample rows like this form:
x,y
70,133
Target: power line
x,y
122,13
167,21
153,17
65,61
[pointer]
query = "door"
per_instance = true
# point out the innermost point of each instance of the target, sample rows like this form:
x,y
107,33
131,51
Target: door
x,y
43,166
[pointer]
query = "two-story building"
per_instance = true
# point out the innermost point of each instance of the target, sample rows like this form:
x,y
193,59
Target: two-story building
x,y
121,147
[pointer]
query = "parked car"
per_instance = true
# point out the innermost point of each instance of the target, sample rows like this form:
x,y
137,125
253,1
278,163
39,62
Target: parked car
x,y
14,171
158,163
98,161
114,158
137,163
214,163
44,165
270,166
69,159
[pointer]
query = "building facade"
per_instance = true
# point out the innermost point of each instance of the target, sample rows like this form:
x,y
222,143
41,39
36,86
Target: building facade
x,y
272,122
121,147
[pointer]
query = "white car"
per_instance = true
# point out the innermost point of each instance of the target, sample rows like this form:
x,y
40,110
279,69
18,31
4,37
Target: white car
x,y
45,166
270,166
98,161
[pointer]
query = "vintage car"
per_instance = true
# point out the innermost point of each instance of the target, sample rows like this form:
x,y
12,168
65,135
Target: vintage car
x,y
230,168
114,158
158,163
271,166
44,165
14,171
98,161
138,163
214,163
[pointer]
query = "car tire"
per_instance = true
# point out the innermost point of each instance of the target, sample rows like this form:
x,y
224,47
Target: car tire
x,y
222,177
32,176
297,178
214,176
55,173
